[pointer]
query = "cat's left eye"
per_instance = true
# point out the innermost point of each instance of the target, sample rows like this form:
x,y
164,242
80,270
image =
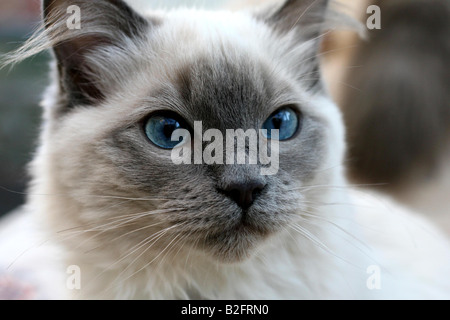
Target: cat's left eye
x,y
286,120
159,129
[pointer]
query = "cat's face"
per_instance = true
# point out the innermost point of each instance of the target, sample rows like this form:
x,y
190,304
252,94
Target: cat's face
x,y
227,70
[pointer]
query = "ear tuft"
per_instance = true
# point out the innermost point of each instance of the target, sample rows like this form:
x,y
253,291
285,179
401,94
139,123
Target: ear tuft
x,y
104,25
304,16
303,24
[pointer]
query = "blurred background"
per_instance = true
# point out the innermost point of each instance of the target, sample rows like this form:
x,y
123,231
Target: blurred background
x,y
393,89
394,92
20,91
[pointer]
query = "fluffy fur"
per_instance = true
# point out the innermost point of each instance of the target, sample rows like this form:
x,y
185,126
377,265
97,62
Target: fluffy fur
x,y
140,227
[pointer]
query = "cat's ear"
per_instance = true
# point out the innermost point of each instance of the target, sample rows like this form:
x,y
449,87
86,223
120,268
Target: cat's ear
x,y
306,17
301,23
85,34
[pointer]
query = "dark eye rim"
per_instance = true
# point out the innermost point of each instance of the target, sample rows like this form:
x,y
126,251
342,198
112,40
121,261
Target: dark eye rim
x,y
162,113
300,118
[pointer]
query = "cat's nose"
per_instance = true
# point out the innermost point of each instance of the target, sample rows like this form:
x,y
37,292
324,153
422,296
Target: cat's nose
x,y
244,193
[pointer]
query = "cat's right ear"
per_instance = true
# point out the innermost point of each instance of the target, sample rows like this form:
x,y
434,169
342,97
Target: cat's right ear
x,y
301,25
304,17
87,38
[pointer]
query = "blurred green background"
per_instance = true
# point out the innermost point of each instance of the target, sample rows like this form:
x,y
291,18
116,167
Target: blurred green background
x,y
20,91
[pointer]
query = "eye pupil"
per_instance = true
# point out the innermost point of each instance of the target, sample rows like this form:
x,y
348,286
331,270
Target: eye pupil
x,y
170,126
277,122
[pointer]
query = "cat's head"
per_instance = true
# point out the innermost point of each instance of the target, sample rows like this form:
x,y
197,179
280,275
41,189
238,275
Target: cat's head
x,y
125,81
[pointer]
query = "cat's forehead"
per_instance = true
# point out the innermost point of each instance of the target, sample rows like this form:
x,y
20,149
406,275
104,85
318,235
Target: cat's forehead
x,y
224,91
215,76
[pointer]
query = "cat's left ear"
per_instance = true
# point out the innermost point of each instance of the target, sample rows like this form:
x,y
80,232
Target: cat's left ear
x,y
92,40
301,23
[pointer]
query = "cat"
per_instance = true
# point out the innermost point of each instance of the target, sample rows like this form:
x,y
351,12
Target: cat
x,y
116,211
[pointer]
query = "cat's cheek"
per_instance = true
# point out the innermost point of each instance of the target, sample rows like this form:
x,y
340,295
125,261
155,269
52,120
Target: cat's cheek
x,y
301,158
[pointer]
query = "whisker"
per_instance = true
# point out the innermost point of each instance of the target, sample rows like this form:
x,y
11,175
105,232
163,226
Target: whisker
x,y
182,238
130,217
308,43
308,235
156,236
85,195
310,215
155,258
25,252
127,234
302,15
350,86
316,205
195,244
346,186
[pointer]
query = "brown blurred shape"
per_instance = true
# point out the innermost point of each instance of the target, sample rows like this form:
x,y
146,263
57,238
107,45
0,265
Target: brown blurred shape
x,y
398,121
394,91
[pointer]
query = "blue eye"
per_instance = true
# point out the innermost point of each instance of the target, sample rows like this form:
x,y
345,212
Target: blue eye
x,y
285,120
159,130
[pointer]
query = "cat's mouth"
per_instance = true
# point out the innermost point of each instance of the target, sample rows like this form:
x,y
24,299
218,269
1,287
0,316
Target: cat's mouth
x,y
237,243
228,232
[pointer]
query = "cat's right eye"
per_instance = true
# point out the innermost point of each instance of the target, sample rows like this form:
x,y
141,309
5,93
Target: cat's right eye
x,y
286,120
160,127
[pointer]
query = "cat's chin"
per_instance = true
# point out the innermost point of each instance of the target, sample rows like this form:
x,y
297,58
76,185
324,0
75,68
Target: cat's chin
x,y
235,245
